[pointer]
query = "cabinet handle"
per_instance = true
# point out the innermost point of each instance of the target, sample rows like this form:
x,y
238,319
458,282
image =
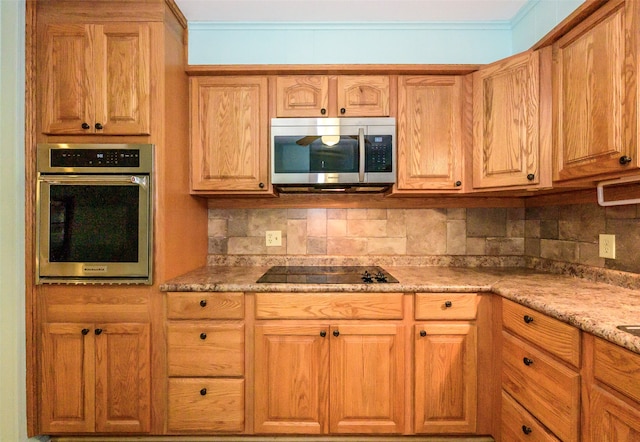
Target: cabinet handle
x,y
527,361
530,177
323,333
528,319
203,392
261,185
323,111
343,110
85,126
336,333
98,331
99,126
203,303
85,331
458,183
447,304
624,160
203,336
526,430
423,333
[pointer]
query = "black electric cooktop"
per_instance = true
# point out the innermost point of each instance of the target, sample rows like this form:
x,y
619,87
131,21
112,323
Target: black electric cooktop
x,y
327,275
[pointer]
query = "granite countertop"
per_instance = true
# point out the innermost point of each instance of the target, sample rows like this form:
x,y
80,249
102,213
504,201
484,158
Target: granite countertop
x,y
594,307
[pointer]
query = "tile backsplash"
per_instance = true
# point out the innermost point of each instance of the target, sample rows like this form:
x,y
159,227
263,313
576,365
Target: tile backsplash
x,y
558,233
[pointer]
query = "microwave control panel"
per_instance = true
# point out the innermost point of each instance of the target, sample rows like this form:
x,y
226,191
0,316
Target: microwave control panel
x,y
379,153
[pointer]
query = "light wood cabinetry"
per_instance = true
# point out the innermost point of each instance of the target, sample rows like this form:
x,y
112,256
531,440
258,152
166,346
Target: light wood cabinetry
x,y
445,363
535,372
96,378
95,78
432,132
612,393
229,135
331,374
511,122
206,363
596,95
332,96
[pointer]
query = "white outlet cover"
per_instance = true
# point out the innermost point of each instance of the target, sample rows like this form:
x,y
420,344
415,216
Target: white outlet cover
x,y
273,238
607,246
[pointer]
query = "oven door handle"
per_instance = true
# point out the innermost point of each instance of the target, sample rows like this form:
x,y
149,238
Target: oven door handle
x,y
140,180
361,150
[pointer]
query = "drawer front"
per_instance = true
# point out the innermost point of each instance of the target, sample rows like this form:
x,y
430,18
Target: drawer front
x,y
205,349
200,405
560,339
192,305
519,426
329,305
443,306
549,390
618,368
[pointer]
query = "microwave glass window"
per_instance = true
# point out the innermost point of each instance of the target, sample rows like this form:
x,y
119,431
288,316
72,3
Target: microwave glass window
x,y
309,154
93,223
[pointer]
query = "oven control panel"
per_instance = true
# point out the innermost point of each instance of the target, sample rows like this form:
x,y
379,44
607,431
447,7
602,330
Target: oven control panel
x,y
95,158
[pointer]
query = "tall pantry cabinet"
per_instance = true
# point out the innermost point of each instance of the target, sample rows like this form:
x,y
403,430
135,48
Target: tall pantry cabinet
x,y
108,72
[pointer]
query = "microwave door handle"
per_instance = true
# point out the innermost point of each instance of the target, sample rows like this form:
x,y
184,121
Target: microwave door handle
x,y
361,149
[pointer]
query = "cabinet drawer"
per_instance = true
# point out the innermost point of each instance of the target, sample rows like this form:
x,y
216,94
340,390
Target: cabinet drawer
x,y
190,305
518,425
201,405
329,305
546,388
205,349
439,306
618,368
560,339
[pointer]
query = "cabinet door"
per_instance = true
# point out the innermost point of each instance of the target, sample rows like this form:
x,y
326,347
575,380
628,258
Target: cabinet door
x,y
445,378
367,379
595,94
302,96
291,378
363,95
506,123
229,143
430,133
123,89
611,419
67,397
123,378
67,79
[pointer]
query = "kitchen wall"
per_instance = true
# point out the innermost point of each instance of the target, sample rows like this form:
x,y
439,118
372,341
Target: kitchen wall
x,y
12,327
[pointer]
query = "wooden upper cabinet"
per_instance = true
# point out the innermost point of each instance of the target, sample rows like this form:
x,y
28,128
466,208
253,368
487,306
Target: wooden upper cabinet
x,y
95,79
511,115
596,94
432,131
331,96
229,136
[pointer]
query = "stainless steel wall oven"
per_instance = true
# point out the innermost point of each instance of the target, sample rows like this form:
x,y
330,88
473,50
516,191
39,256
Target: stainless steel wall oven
x,y
94,213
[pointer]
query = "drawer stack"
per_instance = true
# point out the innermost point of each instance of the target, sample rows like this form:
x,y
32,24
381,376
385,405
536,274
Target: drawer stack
x,y
205,352
540,379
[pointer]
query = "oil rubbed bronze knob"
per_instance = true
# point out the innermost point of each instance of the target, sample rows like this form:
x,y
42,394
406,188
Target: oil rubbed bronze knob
x,y
530,177
343,110
203,336
85,331
98,331
447,304
527,361
526,430
323,111
624,160
336,333
458,183
85,126
203,392
261,185
423,333
99,126
323,333
203,303
528,319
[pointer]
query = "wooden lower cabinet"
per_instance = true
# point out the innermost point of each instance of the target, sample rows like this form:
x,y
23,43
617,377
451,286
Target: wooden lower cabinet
x,y
445,377
314,378
96,378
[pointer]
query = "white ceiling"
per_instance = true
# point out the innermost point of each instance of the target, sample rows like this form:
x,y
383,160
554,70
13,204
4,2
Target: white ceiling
x,y
349,10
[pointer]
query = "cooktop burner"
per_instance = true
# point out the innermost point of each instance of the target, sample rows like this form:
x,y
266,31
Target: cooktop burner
x,y
327,275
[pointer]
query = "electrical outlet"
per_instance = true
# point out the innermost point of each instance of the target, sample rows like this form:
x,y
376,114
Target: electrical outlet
x,y
608,246
273,238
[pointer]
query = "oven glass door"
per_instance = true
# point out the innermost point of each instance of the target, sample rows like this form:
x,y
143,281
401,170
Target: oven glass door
x,y
94,226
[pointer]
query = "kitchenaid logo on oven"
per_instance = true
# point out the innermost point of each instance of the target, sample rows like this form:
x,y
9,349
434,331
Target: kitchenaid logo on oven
x,y
94,269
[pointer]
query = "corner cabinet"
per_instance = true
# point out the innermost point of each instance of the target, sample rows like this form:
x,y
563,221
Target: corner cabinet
x,y
432,133
511,122
95,79
332,96
96,378
229,135
595,101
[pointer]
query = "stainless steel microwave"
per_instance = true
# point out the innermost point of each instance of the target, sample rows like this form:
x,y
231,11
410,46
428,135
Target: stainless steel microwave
x,y
94,213
333,153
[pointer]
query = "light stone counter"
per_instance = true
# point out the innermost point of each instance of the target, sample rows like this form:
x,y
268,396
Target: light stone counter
x,y
594,307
